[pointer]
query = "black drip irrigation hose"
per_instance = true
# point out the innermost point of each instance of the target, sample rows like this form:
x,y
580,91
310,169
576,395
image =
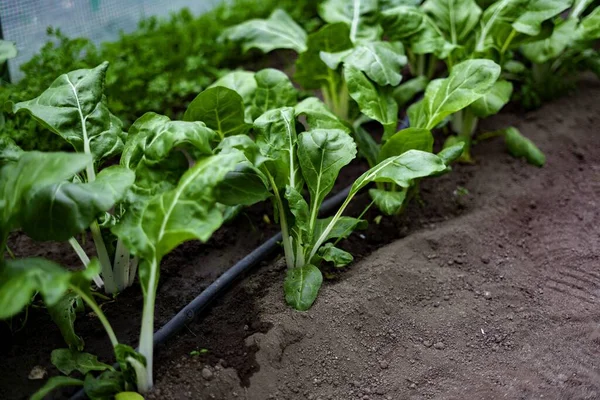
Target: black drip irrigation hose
x,y
223,282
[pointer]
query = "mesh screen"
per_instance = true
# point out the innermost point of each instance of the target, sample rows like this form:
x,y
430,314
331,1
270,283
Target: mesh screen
x,y
25,21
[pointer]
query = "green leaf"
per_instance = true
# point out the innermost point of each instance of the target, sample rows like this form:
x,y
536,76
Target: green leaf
x,y
152,137
342,228
74,108
550,48
311,71
276,138
407,139
299,208
322,153
221,109
105,386
67,361
359,15
381,61
375,104
9,151
128,396
32,170
589,28
242,82
401,170
492,102
468,81
20,279
367,147
279,31
519,146
318,116
409,89
184,213
301,286
451,151
456,18
8,50
56,382
60,211
245,185
389,203
523,16
332,254
64,313
273,90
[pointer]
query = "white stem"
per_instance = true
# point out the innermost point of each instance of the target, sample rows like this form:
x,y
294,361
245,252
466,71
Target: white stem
x,y
84,259
107,272
147,331
329,227
121,269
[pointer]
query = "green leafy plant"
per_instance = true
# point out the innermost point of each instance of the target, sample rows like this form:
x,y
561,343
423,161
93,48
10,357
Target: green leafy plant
x,y
553,63
282,163
74,108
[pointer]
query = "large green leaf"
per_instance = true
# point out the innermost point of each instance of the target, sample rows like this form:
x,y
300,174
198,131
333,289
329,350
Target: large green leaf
x,y
401,170
359,15
301,286
521,16
375,104
33,170
299,209
245,185
367,147
8,50
74,107
311,71
468,81
62,210
54,383
221,109
273,90
409,89
184,213
322,153
492,102
550,48
153,136
67,361
589,28
381,61
456,18
20,279
279,31
64,313
242,82
406,139
276,138
318,116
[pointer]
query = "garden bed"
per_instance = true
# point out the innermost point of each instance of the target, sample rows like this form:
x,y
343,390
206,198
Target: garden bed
x,y
491,292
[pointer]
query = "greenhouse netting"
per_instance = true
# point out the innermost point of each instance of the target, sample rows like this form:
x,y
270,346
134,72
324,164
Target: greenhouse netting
x,y
25,22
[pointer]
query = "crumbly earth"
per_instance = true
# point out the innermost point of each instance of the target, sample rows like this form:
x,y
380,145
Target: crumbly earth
x,y
488,288
492,294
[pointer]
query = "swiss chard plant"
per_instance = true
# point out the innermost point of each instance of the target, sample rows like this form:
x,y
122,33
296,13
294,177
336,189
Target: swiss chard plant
x,y
284,161
339,59
553,63
74,108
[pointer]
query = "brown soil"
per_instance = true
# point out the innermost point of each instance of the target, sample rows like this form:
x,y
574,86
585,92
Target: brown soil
x,y
493,294
489,294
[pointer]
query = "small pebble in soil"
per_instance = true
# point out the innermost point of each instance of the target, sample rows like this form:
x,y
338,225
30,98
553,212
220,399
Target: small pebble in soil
x,y
207,374
487,295
37,372
427,343
440,345
485,259
383,364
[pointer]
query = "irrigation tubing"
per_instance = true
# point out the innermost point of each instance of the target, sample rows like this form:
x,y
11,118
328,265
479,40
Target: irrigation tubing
x,y
223,282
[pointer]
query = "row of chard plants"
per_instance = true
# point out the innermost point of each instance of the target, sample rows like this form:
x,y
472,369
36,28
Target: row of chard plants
x,y
253,136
